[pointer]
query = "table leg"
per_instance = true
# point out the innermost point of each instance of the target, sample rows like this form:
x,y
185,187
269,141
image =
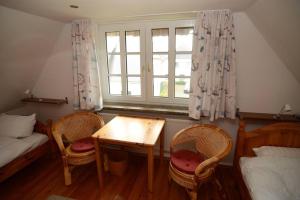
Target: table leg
x,y
162,141
99,163
150,168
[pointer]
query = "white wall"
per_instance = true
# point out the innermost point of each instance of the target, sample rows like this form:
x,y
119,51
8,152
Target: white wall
x,y
279,23
55,81
26,42
264,83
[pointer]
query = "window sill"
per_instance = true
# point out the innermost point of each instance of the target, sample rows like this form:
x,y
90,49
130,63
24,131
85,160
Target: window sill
x,y
145,109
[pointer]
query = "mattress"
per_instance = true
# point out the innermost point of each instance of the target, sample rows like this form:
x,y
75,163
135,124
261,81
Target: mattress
x,y
11,148
271,178
35,140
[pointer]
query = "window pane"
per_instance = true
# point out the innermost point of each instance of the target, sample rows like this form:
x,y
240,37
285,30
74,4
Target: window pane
x,y
184,39
160,87
115,85
160,64
133,41
134,86
183,64
160,40
182,87
114,64
113,42
133,64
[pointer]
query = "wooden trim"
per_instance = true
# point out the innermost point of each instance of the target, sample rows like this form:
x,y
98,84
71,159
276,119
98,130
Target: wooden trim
x,y
26,159
181,110
267,117
46,100
286,134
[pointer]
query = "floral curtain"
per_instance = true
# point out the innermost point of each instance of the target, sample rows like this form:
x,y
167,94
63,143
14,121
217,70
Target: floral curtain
x,y
213,79
86,79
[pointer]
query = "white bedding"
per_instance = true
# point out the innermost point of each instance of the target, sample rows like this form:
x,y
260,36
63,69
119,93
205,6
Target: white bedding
x,y
272,178
36,139
11,148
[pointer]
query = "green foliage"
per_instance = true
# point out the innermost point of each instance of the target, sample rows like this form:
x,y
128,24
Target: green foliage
x,y
180,82
164,89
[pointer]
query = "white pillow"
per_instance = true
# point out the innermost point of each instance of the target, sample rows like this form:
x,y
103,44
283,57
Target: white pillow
x,y
16,126
277,151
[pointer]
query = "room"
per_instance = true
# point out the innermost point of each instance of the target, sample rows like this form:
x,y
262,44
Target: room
x,y
137,99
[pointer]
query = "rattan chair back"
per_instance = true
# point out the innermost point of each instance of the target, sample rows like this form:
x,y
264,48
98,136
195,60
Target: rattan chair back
x,y
209,140
78,125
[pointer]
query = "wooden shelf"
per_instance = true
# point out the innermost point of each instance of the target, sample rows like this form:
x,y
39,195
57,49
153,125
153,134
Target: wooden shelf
x,y
46,100
267,116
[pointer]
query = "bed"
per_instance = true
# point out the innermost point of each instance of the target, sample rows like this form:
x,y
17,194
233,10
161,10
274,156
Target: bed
x,y
255,184
18,153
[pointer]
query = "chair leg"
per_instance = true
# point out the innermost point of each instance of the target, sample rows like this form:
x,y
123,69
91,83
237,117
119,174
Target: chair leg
x,y
219,187
193,194
67,173
169,179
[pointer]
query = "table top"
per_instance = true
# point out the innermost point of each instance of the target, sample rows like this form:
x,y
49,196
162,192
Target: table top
x,y
131,130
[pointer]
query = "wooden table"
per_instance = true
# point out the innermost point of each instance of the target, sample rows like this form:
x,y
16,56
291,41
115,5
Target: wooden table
x,y
131,131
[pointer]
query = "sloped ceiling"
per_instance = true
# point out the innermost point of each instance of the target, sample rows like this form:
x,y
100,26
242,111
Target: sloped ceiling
x,y
117,9
279,23
26,43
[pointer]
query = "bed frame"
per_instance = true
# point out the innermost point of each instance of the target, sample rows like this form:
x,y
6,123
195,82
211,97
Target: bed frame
x,y
24,160
285,134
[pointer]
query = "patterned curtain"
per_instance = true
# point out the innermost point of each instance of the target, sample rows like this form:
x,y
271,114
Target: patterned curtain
x,y
213,81
86,77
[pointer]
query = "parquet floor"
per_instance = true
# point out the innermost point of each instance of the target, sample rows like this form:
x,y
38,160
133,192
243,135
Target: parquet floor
x,y
44,177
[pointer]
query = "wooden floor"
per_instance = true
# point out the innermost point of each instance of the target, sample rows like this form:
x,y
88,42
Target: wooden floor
x,y
45,177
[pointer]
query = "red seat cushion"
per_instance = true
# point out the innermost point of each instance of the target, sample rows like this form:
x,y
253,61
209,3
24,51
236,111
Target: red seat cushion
x,y
186,161
83,145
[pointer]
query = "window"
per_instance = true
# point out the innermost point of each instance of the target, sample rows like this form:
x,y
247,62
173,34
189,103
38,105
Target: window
x,y
183,63
114,62
133,63
147,62
160,61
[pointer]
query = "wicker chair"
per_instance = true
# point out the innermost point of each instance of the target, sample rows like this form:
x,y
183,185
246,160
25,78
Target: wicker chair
x,y
71,128
212,143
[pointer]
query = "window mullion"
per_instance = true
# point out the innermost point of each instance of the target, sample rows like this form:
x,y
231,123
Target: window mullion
x,y
183,52
148,64
171,63
143,61
123,63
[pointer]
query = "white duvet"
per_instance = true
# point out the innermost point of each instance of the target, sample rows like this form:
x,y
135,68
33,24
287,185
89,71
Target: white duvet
x,y
11,148
272,178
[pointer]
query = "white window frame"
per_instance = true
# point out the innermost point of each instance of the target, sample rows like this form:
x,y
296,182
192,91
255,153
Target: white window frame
x,y
104,68
145,28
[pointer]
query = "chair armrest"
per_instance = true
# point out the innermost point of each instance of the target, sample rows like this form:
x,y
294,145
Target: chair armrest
x,y
202,167
59,141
